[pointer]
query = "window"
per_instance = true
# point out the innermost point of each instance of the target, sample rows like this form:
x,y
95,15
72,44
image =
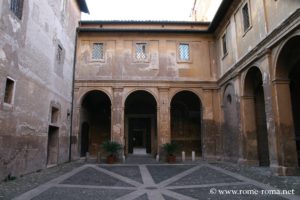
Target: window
x,y
97,52
246,17
16,6
140,51
9,91
59,54
54,115
184,52
224,44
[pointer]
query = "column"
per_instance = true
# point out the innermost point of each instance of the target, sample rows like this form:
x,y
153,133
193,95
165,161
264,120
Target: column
x,y
163,118
117,116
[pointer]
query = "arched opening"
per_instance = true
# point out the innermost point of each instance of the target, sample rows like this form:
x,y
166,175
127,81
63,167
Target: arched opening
x,y
230,133
287,85
95,115
186,122
256,133
140,123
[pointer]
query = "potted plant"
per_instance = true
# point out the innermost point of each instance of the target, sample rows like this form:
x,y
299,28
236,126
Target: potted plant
x,y
170,149
112,148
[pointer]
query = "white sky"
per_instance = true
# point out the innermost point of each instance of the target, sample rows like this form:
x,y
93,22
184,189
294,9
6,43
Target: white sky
x,y
172,10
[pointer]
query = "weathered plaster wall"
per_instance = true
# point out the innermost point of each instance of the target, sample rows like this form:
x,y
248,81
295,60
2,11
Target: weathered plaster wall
x,y
162,62
28,50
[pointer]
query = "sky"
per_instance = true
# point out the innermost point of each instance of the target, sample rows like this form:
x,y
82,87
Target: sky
x,y
171,10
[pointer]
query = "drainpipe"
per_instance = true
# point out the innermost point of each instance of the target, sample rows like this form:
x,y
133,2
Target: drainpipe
x,y
72,102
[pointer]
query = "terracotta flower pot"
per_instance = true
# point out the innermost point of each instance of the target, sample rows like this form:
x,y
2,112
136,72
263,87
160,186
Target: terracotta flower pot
x,y
171,159
110,159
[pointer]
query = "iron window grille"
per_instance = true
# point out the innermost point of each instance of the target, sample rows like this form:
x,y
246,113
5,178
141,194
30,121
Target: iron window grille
x,y
140,51
97,53
184,52
16,6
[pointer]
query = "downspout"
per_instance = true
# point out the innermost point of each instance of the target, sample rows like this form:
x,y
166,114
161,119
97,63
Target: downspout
x,y
72,102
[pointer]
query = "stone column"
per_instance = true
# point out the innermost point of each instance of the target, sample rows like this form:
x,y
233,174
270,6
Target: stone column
x,y
249,133
117,116
287,151
208,126
163,118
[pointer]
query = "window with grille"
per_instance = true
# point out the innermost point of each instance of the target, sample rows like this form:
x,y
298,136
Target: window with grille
x,y
9,91
246,17
16,6
184,52
140,51
97,52
224,44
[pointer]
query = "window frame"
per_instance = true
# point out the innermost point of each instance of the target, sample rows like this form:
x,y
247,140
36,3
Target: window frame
x,y
102,59
224,44
147,56
249,18
16,7
12,98
179,58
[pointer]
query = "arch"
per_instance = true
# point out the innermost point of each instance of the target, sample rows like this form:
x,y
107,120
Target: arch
x,y
186,121
255,123
173,93
278,56
140,122
95,111
137,90
82,96
287,87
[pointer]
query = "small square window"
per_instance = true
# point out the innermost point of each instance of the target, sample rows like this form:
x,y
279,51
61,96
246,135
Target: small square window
x,y
184,52
224,44
140,51
9,91
246,17
16,6
97,51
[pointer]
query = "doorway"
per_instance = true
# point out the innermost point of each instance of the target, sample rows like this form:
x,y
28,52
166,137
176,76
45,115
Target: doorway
x,y
140,123
52,149
139,135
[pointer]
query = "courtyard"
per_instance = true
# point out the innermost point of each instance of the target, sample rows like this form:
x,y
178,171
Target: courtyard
x,y
143,178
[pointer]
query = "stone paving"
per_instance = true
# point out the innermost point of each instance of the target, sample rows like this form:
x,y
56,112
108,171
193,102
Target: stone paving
x,y
154,181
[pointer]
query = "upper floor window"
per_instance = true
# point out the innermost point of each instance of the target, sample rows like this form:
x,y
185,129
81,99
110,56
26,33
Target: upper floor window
x,y
140,51
184,52
9,91
16,6
224,44
98,51
246,17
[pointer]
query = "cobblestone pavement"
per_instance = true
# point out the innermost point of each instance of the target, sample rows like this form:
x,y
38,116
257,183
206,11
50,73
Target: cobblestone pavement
x,y
183,181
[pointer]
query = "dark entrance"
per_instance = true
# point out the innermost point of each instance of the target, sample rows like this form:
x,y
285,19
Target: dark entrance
x,y
140,122
139,131
96,117
52,150
255,94
84,138
295,96
186,122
